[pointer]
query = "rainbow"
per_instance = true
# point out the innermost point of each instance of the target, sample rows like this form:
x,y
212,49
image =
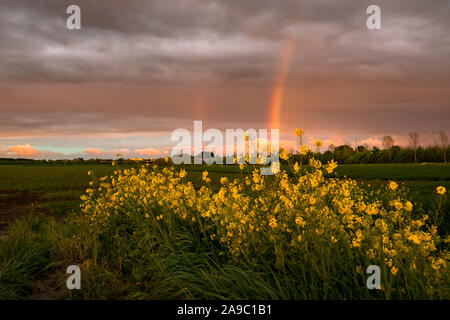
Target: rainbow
x,y
276,100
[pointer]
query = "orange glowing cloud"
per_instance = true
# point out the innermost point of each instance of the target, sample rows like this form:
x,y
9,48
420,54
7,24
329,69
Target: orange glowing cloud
x,y
374,142
23,150
148,152
93,151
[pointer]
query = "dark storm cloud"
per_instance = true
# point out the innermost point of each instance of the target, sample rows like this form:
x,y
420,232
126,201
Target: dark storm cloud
x,y
192,39
128,40
154,65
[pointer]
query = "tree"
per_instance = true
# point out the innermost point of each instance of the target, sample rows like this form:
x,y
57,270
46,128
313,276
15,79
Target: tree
x,y
332,149
388,142
362,148
444,143
414,139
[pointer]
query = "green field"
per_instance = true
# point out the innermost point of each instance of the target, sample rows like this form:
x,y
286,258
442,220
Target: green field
x,y
70,177
48,177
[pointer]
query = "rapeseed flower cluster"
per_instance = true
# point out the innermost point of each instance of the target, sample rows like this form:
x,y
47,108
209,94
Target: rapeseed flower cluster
x,y
284,217
292,220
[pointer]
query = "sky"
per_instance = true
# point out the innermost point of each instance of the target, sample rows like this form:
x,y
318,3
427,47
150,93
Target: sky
x,y
137,70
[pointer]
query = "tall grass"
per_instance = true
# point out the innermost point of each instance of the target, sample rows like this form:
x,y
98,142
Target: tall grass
x,y
24,255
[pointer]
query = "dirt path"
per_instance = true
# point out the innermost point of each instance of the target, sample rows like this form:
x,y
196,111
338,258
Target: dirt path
x,y
14,204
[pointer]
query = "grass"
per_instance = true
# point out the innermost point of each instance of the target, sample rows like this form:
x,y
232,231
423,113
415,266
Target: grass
x,y
169,264
65,179
24,256
54,178
406,171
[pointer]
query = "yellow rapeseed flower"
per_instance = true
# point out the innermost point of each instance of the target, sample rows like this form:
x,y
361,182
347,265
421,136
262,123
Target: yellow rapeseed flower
x,y
284,155
414,238
304,150
397,204
441,190
318,143
408,206
273,223
393,185
300,221
298,132
371,210
394,270
331,166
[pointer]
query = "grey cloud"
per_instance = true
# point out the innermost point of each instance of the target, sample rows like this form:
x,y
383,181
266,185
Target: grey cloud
x,y
183,40
156,65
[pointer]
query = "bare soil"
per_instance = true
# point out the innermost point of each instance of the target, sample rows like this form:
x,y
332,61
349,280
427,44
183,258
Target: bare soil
x,y
14,204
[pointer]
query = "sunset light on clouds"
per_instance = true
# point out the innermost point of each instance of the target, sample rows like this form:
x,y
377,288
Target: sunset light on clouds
x,y
23,150
122,85
94,151
221,156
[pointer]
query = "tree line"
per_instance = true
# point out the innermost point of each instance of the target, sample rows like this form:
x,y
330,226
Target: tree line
x,y
389,153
